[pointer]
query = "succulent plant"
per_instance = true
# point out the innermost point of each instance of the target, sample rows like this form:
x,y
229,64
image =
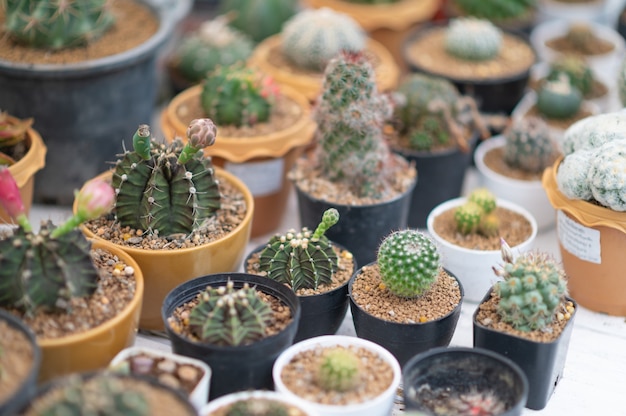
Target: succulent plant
x,y
167,188
302,259
57,24
339,370
528,145
257,407
473,39
621,83
495,9
237,96
582,37
593,131
409,263
558,99
225,315
46,269
484,198
313,36
579,73
467,217
533,287
259,19
477,214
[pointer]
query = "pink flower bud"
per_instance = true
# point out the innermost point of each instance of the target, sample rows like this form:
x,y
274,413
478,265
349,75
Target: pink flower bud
x,y
95,199
201,133
10,197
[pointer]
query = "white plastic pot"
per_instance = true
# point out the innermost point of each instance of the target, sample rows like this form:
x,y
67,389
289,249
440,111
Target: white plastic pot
x,y
231,398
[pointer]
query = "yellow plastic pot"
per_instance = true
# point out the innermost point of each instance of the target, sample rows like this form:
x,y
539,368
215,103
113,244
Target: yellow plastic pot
x,y
95,348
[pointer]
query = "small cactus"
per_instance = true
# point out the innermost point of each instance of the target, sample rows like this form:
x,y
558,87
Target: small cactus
x,y
409,263
467,217
558,99
473,39
533,287
228,316
257,407
528,145
484,198
477,214
495,9
302,259
593,131
582,37
572,174
577,70
259,19
339,370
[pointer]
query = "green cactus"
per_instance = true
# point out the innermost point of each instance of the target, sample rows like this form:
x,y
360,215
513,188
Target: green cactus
x,y
495,10
374,1
409,263
313,36
484,198
528,145
593,131
57,24
607,175
477,214
302,259
467,217
257,407
167,189
237,96
558,99
577,70
229,316
473,39
533,287
339,369
489,225
572,174
259,19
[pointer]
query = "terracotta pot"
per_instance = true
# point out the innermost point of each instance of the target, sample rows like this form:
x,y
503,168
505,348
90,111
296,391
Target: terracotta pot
x,y
166,269
387,71
94,349
24,170
591,242
261,162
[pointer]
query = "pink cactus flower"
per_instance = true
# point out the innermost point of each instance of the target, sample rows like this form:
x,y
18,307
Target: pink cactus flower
x,y
10,197
95,199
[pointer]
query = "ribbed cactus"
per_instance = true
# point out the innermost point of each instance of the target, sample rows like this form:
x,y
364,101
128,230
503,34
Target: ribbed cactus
x,y
473,39
257,407
339,369
259,19
313,36
593,131
167,188
237,96
558,99
607,175
477,214
528,145
467,217
495,9
55,24
302,259
228,316
484,198
577,70
533,287
409,263
572,175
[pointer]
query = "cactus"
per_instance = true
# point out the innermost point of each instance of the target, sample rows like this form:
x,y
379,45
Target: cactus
x,y
46,269
577,70
57,24
582,37
477,214
484,198
467,217
495,9
237,96
473,39
229,316
593,131
339,370
533,287
409,263
259,19
528,145
314,36
257,407
558,99
607,175
302,259
167,189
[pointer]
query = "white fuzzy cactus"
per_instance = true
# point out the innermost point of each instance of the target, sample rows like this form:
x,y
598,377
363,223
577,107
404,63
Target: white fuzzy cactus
x,y
607,175
592,132
571,176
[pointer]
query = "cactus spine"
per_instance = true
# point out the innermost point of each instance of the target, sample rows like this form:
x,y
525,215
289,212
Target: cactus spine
x,y
339,370
473,39
528,145
558,99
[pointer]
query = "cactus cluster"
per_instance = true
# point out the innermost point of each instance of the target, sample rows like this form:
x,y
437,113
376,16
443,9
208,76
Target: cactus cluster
x,y
339,369
409,263
54,24
495,9
579,73
167,188
302,259
237,96
473,39
558,99
259,19
226,315
257,407
534,286
478,214
313,37
528,145
592,132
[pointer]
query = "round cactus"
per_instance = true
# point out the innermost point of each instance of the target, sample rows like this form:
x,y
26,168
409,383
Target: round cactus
x,y
593,131
572,173
607,175
467,217
528,145
409,263
577,70
313,37
495,9
484,198
259,19
339,370
558,99
258,407
473,39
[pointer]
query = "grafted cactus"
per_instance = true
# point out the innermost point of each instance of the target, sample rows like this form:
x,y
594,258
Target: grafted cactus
x,y
409,263
593,131
55,24
170,188
533,287
559,99
528,145
495,9
339,370
577,70
467,217
228,316
484,198
302,259
473,39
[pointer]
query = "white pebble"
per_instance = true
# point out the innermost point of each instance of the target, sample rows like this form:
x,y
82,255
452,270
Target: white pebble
x,y
129,271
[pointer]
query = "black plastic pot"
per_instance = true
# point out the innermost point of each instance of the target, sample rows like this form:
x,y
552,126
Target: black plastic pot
x,y
28,387
542,362
464,370
234,368
404,340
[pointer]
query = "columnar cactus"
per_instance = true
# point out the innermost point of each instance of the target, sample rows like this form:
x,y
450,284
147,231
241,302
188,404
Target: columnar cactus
x,y
607,176
313,36
478,214
238,96
409,263
170,188
495,9
228,316
533,287
57,24
339,370
528,145
302,259
467,217
473,39
558,99
577,70
259,19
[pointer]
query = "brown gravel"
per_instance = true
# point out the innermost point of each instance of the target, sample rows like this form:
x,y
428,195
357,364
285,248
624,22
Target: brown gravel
x,y
16,360
494,159
597,46
559,123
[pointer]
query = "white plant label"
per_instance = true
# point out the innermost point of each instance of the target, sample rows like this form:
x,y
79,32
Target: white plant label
x,y
262,178
581,241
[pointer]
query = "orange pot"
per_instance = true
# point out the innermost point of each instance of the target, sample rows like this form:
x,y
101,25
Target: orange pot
x,y
591,242
95,348
163,270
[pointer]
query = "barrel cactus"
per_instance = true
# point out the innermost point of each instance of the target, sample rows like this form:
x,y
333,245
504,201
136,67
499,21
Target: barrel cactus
x,y
473,39
528,145
621,83
302,259
339,370
558,99
577,70
259,19
477,214
533,287
495,10
409,263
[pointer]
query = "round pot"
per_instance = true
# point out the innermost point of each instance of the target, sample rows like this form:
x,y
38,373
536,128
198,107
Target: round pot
x,y
462,369
234,368
229,399
165,269
591,241
591,10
